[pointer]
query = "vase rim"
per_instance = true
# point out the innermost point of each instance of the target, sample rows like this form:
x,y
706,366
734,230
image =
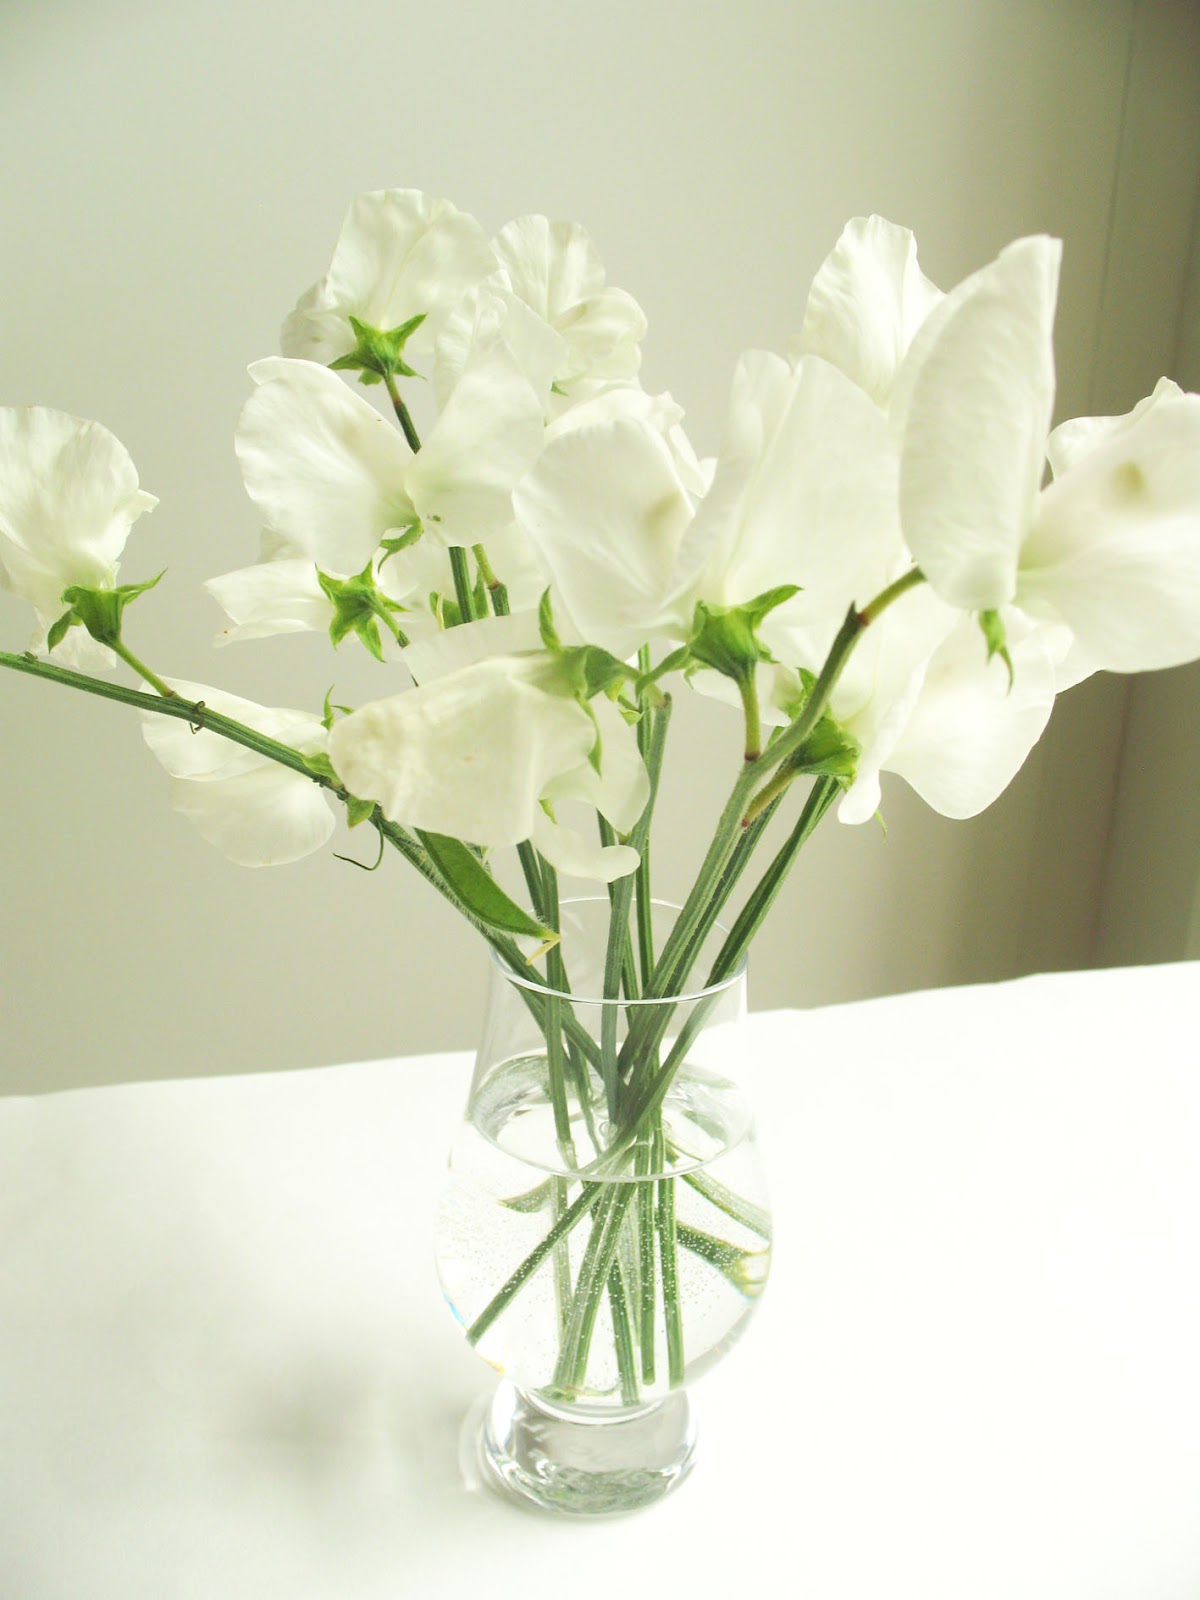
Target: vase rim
x,y
703,992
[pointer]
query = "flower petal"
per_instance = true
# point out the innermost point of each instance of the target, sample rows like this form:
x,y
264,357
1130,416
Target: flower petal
x,y
258,812
400,254
972,406
269,598
325,470
68,498
483,443
469,754
606,511
1115,549
866,303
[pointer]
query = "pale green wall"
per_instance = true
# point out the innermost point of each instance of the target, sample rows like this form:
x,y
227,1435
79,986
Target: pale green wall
x,y
175,175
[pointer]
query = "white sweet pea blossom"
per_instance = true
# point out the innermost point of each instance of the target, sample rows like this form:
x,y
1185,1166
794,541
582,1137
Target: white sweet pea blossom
x,y
972,408
488,314
1114,547
400,254
606,507
804,493
866,303
474,754
325,470
68,497
254,810
960,733
553,267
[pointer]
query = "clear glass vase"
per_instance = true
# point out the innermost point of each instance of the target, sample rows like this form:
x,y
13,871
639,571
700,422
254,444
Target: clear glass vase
x,y
604,1234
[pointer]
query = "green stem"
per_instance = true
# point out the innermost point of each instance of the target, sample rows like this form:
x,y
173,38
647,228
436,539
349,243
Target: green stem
x,y
401,410
497,592
462,583
618,1305
579,1207
668,1249
597,1262
143,671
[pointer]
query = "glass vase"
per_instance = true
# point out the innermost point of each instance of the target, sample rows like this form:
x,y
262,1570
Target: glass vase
x,y
604,1234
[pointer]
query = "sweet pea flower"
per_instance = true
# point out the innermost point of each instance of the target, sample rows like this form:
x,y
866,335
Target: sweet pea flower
x,y
866,303
481,751
68,497
606,508
400,254
554,268
256,811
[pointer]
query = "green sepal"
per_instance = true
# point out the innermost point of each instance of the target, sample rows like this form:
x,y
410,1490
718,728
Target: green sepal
x,y
474,885
828,752
327,717
546,629
100,610
991,624
320,766
378,352
58,632
358,608
726,637
358,810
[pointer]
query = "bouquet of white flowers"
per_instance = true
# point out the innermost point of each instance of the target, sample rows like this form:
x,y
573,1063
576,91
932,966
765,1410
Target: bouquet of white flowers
x,y
456,466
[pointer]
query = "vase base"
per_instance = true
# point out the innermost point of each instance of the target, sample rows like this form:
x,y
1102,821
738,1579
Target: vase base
x,y
591,1466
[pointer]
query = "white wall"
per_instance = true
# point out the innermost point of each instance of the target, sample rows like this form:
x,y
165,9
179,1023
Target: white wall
x,y
175,176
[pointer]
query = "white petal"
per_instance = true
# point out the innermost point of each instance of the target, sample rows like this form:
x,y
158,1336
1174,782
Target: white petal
x,y
581,855
1115,549
973,403
553,267
451,649
804,493
620,790
1073,440
265,817
489,314
468,755
325,470
483,443
867,301
256,811
969,734
68,498
400,254
606,512
269,598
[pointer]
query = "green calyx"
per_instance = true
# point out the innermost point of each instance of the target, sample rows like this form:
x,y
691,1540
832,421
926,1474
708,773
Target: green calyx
x,y
359,607
726,637
378,353
98,610
991,624
582,671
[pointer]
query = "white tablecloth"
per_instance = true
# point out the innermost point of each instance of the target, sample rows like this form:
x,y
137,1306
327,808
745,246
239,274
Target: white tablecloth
x,y
226,1372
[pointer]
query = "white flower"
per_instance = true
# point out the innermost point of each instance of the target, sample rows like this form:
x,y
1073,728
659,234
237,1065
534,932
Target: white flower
x,y
867,301
325,470
1114,547
400,254
972,408
804,493
606,507
68,498
474,753
553,267
256,811
958,733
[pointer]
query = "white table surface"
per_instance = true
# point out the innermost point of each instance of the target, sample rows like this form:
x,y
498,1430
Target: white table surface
x,y
226,1372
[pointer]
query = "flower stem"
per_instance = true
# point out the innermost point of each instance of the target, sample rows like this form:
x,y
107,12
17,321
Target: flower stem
x,y
462,583
401,410
579,1207
143,671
